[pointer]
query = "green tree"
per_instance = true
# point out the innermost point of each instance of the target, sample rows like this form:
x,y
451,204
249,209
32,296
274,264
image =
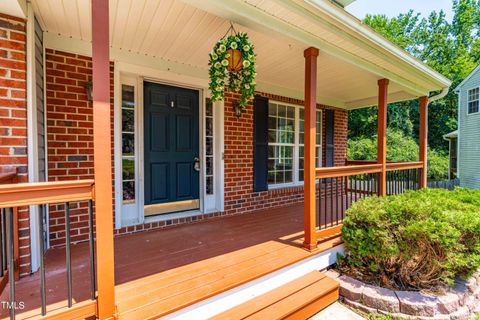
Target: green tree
x,y
400,148
451,48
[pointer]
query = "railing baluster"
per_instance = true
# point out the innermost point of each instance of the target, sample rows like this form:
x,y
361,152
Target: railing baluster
x,y
331,202
92,250
350,187
43,292
11,262
5,244
346,191
68,254
319,219
2,241
337,198
343,200
325,214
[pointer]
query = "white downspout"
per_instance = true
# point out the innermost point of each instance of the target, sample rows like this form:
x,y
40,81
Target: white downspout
x,y
433,99
439,96
32,147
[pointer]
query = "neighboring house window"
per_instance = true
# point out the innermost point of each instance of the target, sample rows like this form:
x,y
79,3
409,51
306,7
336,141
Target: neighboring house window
x,y
128,143
285,143
473,100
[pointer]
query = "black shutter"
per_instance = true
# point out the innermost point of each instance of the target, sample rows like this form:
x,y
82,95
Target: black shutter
x,y
329,138
260,144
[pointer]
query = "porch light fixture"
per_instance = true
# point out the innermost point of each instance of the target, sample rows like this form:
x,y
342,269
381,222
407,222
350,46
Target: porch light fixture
x,y
237,109
89,90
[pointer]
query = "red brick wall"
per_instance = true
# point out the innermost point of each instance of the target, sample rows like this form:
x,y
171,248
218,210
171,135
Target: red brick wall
x,y
13,116
70,148
70,135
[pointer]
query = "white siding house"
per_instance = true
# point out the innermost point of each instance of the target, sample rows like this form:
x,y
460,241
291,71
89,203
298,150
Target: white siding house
x,y
469,130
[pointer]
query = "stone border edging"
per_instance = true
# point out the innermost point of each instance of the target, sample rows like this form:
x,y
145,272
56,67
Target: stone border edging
x,y
459,303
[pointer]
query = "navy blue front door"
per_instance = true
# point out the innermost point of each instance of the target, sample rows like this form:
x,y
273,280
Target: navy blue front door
x,y
171,144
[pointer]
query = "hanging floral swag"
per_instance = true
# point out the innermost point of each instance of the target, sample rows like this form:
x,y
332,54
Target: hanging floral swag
x,y
242,80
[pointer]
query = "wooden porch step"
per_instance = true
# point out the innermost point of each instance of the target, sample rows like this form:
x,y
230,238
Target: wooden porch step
x,y
298,299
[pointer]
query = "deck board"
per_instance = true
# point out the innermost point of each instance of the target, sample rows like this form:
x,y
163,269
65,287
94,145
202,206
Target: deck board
x,y
161,271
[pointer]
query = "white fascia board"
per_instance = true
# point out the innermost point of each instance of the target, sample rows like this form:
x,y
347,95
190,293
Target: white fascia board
x,y
251,17
15,8
345,20
459,87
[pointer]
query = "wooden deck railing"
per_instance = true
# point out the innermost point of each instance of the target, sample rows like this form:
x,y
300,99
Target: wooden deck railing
x,y
8,176
339,187
24,194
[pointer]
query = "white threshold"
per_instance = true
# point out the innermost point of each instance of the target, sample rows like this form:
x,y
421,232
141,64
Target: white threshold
x,y
215,305
173,215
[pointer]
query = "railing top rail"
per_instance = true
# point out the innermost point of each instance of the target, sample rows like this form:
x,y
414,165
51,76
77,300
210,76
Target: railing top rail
x,y
404,165
23,194
345,171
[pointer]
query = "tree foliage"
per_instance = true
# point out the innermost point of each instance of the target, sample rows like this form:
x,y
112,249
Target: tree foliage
x,y
451,48
400,148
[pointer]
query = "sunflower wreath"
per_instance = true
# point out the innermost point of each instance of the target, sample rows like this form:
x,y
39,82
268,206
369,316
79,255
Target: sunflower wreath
x,y
239,78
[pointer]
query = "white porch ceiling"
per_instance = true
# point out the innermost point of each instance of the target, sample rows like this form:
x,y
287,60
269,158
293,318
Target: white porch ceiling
x,y
176,32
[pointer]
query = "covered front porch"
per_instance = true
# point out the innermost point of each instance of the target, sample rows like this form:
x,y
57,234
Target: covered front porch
x,y
313,59
162,271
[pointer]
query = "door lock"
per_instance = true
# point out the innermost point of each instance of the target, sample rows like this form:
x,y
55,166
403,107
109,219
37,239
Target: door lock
x,y
196,164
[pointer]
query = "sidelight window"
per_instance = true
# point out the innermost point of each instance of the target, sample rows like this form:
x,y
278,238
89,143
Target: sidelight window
x,y
209,161
128,143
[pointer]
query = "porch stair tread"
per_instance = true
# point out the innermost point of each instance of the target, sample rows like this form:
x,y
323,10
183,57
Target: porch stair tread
x,y
298,299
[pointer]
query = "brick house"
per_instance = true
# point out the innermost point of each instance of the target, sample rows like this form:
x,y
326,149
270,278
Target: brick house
x,y
225,166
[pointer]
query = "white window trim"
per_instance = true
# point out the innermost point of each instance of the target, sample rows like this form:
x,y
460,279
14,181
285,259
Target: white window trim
x,y
468,101
296,147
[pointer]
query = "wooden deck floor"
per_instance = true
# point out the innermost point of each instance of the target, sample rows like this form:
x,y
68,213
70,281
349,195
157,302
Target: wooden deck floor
x,y
158,272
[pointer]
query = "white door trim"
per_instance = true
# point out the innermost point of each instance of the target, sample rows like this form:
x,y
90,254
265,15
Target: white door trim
x,y
140,74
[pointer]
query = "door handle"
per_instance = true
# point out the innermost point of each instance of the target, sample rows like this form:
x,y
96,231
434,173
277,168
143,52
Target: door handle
x,y
196,164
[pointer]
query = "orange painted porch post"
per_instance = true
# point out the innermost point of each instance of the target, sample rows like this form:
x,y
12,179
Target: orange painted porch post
x,y
102,159
423,145
310,55
382,134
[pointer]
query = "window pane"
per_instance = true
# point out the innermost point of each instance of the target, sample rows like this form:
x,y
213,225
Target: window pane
x,y
128,144
209,108
272,110
129,191
209,146
272,123
128,96
473,100
280,164
128,120
128,169
473,107
209,127
209,165
209,185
